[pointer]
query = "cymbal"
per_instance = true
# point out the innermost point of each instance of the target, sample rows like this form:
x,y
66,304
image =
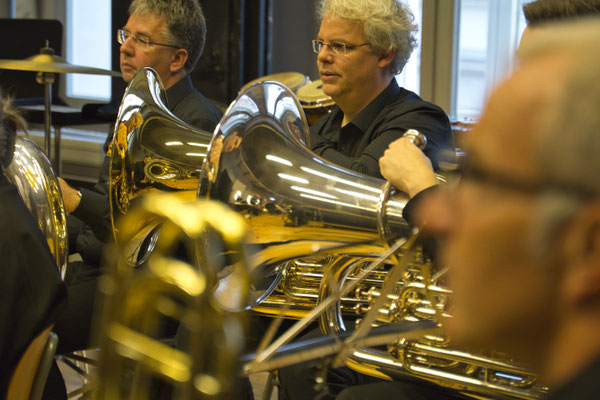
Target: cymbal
x,y
52,63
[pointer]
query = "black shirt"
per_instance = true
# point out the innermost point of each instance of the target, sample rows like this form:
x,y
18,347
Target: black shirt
x,y
31,291
361,143
190,106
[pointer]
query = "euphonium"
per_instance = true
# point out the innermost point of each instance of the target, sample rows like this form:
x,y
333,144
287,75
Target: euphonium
x,y
30,171
152,151
136,302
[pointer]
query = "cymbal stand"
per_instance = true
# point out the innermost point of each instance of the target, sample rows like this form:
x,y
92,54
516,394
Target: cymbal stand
x,y
47,79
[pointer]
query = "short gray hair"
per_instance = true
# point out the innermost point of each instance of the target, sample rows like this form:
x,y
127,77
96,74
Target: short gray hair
x,y
543,11
185,24
388,25
569,134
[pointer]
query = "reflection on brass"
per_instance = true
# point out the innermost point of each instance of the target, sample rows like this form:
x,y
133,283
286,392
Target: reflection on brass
x,y
30,171
152,151
138,302
420,294
295,202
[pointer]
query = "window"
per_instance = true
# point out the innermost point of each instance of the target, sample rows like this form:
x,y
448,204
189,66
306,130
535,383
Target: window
x,y
409,78
489,34
88,42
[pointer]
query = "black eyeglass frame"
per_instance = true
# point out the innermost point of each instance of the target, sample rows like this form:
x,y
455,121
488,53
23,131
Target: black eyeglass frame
x,y
123,35
471,172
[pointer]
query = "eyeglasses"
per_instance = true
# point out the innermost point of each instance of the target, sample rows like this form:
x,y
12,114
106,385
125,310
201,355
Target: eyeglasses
x,y
335,47
123,35
474,173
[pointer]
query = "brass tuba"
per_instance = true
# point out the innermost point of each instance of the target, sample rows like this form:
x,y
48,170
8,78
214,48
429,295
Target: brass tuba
x,y
152,151
30,171
137,302
295,202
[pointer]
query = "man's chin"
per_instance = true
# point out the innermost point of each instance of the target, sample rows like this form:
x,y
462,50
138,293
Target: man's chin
x,y
127,76
330,90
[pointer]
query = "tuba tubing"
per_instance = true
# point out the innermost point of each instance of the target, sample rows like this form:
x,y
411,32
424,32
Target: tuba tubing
x,y
152,151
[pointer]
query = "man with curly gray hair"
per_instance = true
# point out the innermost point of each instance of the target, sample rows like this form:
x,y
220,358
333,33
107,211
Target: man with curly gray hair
x,y
361,46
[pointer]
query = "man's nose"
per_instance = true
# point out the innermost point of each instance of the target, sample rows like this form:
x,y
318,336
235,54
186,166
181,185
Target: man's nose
x,y
127,46
325,55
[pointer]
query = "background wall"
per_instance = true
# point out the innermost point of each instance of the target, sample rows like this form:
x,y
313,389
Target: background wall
x,y
294,26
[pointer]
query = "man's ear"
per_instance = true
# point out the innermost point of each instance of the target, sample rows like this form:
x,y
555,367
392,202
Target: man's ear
x,y
178,60
582,255
386,59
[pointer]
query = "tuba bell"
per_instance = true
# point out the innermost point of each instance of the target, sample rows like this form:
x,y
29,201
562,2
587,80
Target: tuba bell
x,y
295,202
30,171
152,151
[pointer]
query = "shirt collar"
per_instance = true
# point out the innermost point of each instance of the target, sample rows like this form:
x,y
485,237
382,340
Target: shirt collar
x,y
179,90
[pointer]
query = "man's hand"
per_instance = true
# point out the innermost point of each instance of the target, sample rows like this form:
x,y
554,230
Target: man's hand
x,y
71,196
407,168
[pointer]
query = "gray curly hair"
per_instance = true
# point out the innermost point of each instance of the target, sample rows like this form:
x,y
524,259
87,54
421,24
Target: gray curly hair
x,y
185,28
388,25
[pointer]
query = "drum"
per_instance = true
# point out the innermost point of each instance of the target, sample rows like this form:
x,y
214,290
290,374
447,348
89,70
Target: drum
x,y
293,80
314,102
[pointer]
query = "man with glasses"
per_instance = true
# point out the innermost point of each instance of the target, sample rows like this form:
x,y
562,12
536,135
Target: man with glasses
x,y
360,48
169,37
521,230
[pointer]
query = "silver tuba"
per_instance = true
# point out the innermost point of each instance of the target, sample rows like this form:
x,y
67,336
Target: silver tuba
x,y
30,171
296,203
316,226
152,151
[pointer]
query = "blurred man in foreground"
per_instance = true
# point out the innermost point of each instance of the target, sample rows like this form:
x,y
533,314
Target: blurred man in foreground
x,y
31,291
522,229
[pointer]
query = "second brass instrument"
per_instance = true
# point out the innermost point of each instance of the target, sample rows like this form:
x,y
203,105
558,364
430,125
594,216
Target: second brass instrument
x,y
152,151
31,173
